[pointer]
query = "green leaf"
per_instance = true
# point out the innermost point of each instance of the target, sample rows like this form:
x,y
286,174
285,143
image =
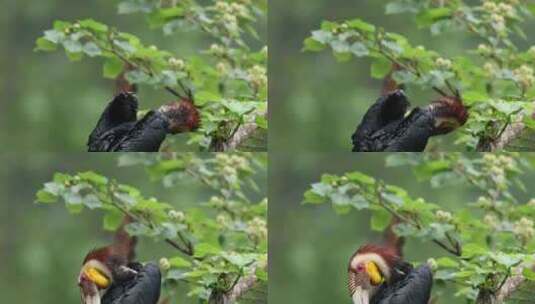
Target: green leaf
x,y
361,25
43,44
125,46
93,178
204,96
359,49
261,122
112,67
470,97
179,262
94,25
46,197
137,76
54,36
91,201
322,36
447,262
360,178
380,67
529,274
321,189
72,46
310,197
380,219
313,45
112,219
472,249
204,249
91,49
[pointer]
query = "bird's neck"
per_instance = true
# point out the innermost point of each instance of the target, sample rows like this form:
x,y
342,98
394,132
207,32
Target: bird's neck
x,y
361,296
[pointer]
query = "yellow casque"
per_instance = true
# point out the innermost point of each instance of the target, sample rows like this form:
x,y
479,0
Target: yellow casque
x,y
376,277
97,277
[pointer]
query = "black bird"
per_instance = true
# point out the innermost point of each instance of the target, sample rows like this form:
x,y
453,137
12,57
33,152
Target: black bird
x,y
378,276
385,127
109,275
142,288
119,130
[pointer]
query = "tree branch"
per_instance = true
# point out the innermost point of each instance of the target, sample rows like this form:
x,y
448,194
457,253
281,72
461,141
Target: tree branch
x,y
241,287
507,289
238,136
508,134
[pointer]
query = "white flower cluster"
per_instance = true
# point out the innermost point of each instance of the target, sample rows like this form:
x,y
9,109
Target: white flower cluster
x,y
177,215
164,264
258,76
491,220
444,216
444,63
233,161
524,76
257,228
176,63
498,14
524,229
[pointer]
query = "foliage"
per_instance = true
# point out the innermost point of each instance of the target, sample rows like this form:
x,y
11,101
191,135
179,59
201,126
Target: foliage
x,y
229,79
486,240
495,78
218,242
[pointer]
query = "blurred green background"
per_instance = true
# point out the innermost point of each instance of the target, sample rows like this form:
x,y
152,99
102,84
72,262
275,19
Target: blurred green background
x,y
310,246
42,246
50,104
317,102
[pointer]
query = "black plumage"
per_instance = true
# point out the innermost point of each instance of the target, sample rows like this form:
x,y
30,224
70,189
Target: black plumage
x,y
118,129
144,288
386,127
409,286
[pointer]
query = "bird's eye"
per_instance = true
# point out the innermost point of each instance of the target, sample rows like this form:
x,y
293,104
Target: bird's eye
x,y
360,268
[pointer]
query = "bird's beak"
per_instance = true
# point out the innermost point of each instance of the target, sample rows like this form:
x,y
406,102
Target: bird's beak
x,y
92,281
361,296
375,275
97,277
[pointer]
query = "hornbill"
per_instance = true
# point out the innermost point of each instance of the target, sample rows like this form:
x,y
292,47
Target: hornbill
x,y
109,275
377,275
119,130
387,127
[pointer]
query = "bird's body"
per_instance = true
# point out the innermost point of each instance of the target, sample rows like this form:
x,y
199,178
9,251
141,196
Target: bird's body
x,y
109,275
413,288
386,126
118,129
378,276
137,290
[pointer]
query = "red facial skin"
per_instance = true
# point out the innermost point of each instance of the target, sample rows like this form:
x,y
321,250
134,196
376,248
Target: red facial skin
x,y
452,106
183,116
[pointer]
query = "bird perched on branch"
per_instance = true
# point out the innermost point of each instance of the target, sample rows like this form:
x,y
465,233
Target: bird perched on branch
x,y
378,276
118,128
386,126
109,275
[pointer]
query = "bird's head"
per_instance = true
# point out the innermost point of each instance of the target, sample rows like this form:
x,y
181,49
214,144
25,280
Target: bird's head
x,y
95,276
183,115
369,267
449,113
